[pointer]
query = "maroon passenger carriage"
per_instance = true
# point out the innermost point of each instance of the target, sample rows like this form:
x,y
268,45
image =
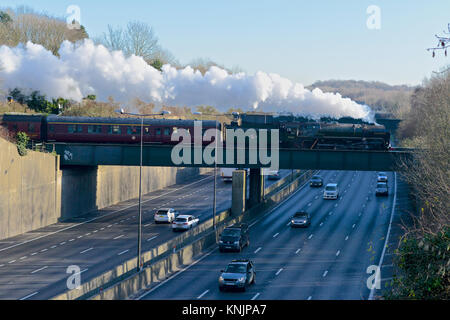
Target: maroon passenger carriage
x,y
54,128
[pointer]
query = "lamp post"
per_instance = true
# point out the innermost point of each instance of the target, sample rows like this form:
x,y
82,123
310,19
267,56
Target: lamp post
x,y
121,111
235,114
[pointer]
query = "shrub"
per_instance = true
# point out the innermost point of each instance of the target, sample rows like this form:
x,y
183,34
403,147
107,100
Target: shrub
x,y
22,142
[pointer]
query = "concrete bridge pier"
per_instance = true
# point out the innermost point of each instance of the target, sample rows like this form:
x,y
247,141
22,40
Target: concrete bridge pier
x,y
239,192
256,195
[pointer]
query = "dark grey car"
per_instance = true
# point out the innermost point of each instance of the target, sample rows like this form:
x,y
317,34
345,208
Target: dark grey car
x,y
239,274
234,238
301,220
382,189
316,181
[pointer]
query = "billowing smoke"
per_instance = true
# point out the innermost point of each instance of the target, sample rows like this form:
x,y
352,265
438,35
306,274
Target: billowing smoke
x,y
87,68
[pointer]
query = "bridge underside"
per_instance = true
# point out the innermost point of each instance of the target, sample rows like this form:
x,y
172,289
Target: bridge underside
x,y
161,156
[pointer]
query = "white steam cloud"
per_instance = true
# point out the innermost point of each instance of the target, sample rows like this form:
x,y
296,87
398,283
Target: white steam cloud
x,y
87,68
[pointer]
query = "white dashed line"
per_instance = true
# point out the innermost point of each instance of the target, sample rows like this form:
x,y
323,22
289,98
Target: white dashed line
x,y
110,226
310,237
121,253
40,269
309,298
79,237
331,213
321,224
34,253
95,231
88,234
298,250
26,257
12,261
202,295
325,274
256,296
146,225
338,253
353,227
279,271
71,240
257,250
118,237
87,250
43,250
346,238
152,238
29,296
276,235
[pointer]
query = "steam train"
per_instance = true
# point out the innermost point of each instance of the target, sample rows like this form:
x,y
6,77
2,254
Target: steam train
x,y
294,132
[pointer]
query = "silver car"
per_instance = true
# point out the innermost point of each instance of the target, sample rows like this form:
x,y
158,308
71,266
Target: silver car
x,y
239,274
382,177
382,189
301,219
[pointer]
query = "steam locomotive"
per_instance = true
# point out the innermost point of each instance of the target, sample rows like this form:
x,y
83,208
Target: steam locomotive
x,y
294,132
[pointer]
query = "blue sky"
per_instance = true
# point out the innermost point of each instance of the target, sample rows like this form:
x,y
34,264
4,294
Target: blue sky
x,y
304,41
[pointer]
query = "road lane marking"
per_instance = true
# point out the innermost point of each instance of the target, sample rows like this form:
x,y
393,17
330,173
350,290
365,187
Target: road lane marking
x,y
202,295
354,225
121,253
102,228
380,263
255,296
87,250
325,274
110,226
71,240
118,237
79,237
321,224
331,213
146,225
95,231
88,234
12,261
26,257
152,238
338,253
276,234
257,250
34,253
310,237
103,216
29,296
310,297
43,250
40,269
346,238
279,271
298,250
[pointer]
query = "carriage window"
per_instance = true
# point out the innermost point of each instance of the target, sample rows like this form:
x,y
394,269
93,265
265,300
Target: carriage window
x,y
79,128
158,131
114,129
94,129
31,127
71,128
166,131
134,130
51,128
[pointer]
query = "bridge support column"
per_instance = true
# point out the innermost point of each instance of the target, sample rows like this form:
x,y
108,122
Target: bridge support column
x,y
239,191
256,187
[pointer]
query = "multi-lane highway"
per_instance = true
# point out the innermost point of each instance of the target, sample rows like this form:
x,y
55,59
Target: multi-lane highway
x,y
34,265
328,260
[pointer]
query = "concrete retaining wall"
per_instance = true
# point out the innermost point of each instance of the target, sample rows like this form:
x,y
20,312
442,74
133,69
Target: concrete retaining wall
x,y
35,193
29,185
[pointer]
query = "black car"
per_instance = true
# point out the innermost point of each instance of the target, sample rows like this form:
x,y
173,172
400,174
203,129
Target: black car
x,y
239,274
301,219
316,181
234,238
382,189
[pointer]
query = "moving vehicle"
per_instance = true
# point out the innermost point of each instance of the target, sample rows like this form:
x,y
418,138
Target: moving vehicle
x,y
331,191
227,174
165,215
184,222
316,181
234,238
301,219
239,274
272,174
382,189
382,177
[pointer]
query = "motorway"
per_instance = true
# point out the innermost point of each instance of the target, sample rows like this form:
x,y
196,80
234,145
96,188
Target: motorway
x,y
328,260
33,265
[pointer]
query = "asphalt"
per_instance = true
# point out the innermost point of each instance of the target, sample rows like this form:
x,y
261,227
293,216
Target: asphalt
x,y
328,260
34,265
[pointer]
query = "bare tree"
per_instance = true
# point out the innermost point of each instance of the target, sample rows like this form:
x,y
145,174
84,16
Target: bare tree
x,y
23,24
443,42
138,38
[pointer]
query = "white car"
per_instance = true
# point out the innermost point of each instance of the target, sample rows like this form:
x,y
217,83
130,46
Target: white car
x,y
165,215
184,222
331,191
382,177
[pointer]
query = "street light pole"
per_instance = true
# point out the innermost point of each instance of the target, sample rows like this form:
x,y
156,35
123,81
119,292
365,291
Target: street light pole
x,y
139,246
